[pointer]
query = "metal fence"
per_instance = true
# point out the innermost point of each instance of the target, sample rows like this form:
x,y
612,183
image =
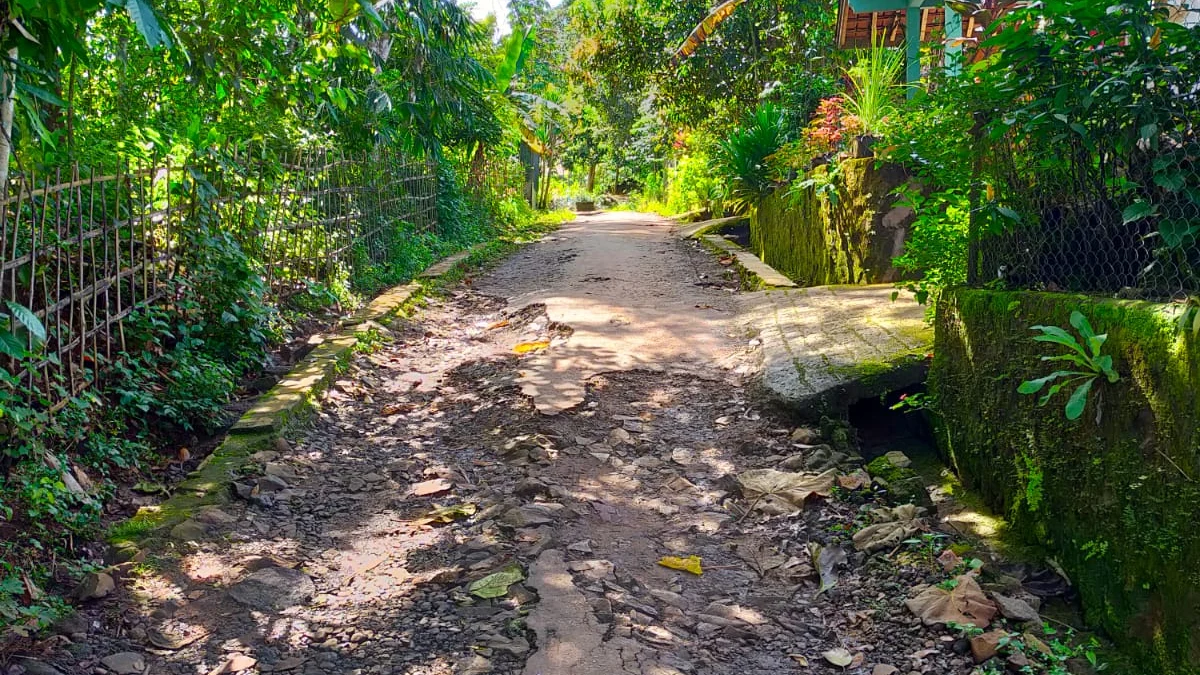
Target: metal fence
x,y
1097,223
85,250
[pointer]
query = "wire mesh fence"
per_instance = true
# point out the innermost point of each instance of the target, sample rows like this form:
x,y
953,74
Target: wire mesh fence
x,y
83,251
1107,227
1089,163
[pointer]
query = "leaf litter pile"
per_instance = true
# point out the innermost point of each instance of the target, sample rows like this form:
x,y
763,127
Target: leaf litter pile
x,y
403,526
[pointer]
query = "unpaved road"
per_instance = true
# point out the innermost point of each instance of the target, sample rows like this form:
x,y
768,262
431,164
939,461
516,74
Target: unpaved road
x,y
634,297
445,458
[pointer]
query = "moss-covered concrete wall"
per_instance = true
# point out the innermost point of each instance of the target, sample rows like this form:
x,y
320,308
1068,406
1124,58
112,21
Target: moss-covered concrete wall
x,y
847,237
1114,495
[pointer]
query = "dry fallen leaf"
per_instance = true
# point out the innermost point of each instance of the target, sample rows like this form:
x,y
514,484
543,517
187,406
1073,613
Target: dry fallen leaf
x,y
826,560
838,657
499,324
949,560
762,557
891,528
535,346
854,481
779,492
688,564
963,604
30,591
431,487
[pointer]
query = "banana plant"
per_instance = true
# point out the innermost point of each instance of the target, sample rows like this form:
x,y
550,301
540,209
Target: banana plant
x,y
504,94
705,28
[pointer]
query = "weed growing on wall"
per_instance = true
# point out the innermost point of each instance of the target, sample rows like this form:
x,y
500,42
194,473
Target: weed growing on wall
x,y
1085,365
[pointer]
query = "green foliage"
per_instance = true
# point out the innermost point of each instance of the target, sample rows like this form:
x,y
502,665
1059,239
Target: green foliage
x,y
800,94
742,157
369,341
224,298
691,185
1086,358
1053,653
24,608
936,248
873,86
619,58
1108,95
931,139
1073,104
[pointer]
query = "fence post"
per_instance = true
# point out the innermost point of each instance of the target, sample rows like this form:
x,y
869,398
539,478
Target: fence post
x,y
975,201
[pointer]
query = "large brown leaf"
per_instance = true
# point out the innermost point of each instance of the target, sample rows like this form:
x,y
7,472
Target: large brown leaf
x,y
890,529
963,604
779,492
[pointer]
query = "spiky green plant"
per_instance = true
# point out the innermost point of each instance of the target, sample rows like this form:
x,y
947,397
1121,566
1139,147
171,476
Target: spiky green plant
x,y
742,158
873,86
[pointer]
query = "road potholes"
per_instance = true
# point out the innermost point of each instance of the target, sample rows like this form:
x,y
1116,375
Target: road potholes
x,y
427,473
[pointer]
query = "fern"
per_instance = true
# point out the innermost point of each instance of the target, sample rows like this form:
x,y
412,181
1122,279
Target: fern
x,y
744,156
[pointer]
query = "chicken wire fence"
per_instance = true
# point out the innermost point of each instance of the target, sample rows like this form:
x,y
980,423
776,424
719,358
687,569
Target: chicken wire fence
x,y
82,250
1081,218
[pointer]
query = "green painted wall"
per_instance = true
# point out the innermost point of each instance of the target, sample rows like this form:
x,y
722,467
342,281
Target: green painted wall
x,y
1101,496
838,235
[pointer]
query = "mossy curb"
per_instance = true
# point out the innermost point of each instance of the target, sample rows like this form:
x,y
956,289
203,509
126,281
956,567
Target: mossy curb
x,y
754,273
288,403
697,230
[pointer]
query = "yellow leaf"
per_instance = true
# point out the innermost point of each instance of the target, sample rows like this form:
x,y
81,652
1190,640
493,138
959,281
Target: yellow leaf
x,y
536,346
448,514
688,564
705,28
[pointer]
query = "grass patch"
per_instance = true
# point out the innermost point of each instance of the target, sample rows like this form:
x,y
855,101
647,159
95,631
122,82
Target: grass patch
x,y
132,529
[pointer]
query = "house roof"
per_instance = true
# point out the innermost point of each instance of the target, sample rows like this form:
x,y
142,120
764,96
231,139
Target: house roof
x,y
886,20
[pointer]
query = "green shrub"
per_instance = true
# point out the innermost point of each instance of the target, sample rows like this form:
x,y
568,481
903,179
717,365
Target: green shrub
x,y
742,158
223,299
931,139
692,186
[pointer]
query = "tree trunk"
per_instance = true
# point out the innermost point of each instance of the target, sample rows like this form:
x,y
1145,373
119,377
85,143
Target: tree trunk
x,y
478,162
544,199
8,87
591,178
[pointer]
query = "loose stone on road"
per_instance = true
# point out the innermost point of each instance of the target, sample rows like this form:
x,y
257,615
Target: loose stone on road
x,y
458,507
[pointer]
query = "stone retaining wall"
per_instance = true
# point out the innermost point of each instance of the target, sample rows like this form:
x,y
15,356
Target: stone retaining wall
x,y
1113,496
846,234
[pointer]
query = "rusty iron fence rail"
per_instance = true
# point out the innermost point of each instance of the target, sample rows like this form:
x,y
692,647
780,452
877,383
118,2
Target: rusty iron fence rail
x,y
85,249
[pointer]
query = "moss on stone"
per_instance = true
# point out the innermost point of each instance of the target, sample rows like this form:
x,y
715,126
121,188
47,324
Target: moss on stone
x,y
817,241
882,467
1099,492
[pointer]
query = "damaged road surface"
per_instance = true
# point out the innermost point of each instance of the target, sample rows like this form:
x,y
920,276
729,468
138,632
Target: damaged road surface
x,y
556,469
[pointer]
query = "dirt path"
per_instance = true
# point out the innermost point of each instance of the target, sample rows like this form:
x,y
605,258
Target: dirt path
x,y
633,298
433,466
